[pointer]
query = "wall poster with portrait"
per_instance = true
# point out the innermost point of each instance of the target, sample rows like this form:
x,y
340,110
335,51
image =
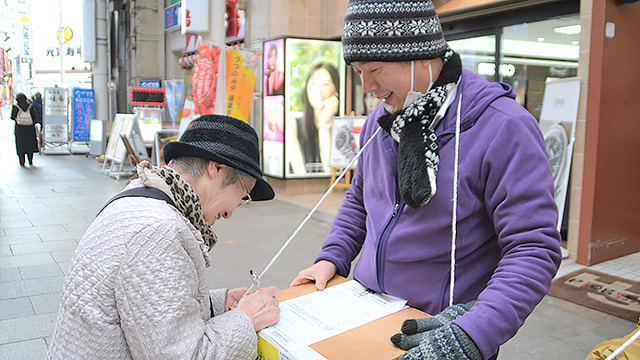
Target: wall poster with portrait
x,y
298,144
273,108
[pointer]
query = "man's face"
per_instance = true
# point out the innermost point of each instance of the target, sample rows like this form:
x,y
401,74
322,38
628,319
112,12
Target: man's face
x,y
219,200
389,81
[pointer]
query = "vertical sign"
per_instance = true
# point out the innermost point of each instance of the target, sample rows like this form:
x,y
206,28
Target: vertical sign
x,y
240,82
172,16
194,16
83,112
55,116
26,39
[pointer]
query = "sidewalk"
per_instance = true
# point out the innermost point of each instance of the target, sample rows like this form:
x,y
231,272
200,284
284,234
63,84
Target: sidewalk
x,y
45,209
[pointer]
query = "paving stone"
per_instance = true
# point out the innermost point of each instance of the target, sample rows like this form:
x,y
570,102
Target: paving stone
x,y
27,328
9,274
15,308
40,271
23,260
31,287
19,239
33,230
47,246
47,303
61,256
24,350
5,250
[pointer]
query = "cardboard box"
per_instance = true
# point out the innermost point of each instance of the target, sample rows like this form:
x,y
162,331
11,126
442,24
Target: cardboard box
x,y
370,341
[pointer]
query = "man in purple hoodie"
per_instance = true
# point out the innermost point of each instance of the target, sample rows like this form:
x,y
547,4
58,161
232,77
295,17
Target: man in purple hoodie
x,y
451,206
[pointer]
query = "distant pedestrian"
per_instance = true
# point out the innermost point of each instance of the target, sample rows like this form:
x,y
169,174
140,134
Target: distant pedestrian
x,y
25,116
37,104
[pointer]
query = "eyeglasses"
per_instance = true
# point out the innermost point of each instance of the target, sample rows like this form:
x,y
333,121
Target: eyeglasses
x,y
246,199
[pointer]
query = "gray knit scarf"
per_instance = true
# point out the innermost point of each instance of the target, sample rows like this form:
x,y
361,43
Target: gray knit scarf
x,y
414,130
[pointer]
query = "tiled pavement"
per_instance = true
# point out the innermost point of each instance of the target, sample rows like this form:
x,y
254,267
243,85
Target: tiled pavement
x,y
45,209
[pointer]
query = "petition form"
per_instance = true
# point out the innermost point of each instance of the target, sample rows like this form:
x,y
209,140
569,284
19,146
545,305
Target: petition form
x,y
310,318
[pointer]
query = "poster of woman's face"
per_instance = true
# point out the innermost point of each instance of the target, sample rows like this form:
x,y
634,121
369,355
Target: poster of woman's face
x,y
273,67
315,79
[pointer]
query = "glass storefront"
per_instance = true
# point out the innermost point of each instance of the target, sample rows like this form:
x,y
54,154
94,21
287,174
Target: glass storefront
x,y
529,54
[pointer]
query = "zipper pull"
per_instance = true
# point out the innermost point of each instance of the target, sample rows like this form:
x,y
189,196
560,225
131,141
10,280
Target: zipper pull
x,y
395,210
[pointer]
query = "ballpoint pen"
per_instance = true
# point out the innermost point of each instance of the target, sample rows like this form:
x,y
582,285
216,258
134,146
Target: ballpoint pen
x,y
255,286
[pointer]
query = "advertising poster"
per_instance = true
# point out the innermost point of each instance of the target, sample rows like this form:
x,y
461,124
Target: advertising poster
x,y
273,67
314,83
345,140
204,78
558,124
273,136
83,112
173,89
241,81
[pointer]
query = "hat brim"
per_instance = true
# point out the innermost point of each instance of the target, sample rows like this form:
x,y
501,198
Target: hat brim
x,y
260,192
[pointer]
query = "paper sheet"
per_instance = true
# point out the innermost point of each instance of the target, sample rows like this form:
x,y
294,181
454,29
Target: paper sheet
x,y
310,318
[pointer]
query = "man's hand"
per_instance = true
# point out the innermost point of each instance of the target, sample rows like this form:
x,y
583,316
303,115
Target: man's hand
x,y
321,272
437,338
262,307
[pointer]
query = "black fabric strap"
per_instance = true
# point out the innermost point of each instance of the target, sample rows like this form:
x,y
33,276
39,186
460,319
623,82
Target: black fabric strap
x,y
144,191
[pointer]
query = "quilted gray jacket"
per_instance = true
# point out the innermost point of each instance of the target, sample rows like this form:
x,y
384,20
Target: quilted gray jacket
x,y
137,289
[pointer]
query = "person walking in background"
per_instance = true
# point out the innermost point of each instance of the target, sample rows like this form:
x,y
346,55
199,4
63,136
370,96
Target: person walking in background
x,y
137,284
451,205
25,116
37,104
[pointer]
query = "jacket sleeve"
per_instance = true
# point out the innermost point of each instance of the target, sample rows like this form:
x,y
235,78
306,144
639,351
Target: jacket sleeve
x,y
161,312
519,200
348,229
218,300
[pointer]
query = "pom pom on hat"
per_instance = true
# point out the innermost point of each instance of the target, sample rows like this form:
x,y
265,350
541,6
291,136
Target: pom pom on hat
x,y
388,30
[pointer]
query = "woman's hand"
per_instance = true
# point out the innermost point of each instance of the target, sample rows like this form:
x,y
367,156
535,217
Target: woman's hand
x,y
233,296
262,307
329,110
321,272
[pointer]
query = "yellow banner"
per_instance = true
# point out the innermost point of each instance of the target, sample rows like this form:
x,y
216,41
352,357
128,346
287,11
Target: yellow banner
x,y
241,82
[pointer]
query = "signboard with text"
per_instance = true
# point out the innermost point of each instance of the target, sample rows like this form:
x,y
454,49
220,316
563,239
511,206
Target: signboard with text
x,y
83,112
55,115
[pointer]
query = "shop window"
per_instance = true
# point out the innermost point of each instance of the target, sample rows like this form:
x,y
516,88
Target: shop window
x,y
536,52
529,53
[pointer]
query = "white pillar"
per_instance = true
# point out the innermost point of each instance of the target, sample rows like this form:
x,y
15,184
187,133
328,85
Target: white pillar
x,y
100,67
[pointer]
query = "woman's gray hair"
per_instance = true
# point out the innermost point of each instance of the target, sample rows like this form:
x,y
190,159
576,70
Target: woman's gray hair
x,y
193,166
196,167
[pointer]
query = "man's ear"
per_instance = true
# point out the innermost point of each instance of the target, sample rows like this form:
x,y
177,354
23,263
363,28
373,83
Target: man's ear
x,y
213,169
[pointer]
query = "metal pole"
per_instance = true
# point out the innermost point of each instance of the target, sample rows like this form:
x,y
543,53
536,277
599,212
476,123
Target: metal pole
x,y
61,45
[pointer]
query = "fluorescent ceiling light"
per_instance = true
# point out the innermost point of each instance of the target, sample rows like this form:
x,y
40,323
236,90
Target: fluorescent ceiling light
x,y
568,30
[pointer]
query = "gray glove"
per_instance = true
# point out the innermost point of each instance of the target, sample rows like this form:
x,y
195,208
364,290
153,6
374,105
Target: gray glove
x,y
436,338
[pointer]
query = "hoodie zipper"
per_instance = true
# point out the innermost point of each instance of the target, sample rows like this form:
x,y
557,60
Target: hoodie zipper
x,y
394,215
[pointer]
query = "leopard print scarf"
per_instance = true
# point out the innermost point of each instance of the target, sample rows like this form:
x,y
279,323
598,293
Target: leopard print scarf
x,y
187,202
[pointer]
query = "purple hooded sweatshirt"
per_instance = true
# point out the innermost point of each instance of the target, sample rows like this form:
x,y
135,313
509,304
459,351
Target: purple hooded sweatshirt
x,y
507,244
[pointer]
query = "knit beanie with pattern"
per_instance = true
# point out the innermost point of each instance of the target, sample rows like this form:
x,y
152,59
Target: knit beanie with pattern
x,y
391,30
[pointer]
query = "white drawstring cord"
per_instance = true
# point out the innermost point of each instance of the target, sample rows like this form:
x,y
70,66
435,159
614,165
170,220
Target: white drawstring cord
x,y
304,221
454,217
623,346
